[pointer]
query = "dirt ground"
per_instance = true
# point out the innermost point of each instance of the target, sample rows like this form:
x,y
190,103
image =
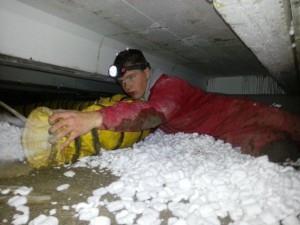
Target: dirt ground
x,y
44,195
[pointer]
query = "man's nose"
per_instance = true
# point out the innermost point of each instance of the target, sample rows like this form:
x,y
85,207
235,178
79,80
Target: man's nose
x,y
126,86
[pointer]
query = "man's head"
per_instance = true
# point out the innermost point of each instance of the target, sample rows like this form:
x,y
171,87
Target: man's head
x,y
132,70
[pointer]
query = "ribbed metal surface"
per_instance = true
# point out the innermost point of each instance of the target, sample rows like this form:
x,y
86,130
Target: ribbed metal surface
x,y
244,85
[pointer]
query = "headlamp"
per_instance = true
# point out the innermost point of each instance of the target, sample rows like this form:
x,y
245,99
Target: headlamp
x,y
116,71
113,71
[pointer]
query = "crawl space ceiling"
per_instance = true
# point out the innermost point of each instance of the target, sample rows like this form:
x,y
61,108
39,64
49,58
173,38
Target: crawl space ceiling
x,y
216,38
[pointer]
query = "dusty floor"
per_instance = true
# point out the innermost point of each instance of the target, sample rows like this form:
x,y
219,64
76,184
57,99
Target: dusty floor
x,y
44,183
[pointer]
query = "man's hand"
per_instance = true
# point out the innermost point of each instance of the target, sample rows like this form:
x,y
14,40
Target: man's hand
x,y
71,124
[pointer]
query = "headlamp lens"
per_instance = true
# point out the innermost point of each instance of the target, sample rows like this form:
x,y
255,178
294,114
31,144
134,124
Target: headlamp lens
x,y
113,71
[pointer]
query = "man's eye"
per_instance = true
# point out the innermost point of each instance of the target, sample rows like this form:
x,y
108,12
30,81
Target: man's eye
x,y
130,78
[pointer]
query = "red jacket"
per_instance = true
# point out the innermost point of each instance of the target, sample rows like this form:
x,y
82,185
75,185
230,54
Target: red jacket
x,y
176,106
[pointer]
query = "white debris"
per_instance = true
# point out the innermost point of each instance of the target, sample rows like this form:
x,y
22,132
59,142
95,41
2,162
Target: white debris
x,y
44,220
103,220
125,217
23,190
196,178
52,212
17,201
291,220
296,164
10,143
116,187
115,206
149,217
88,213
94,200
268,217
66,207
175,221
100,192
276,105
19,219
62,187
24,209
70,173
5,191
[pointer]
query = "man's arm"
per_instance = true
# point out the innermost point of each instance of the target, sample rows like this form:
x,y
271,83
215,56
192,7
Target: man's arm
x,y
135,116
164,102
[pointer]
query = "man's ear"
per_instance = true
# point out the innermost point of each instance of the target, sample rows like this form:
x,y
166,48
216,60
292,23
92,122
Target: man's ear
x,y
147,71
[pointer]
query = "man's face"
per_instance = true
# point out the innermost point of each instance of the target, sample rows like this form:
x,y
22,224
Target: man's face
x,y
134,82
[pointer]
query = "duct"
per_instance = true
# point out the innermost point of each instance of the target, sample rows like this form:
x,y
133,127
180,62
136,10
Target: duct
x,y
36,81
264,27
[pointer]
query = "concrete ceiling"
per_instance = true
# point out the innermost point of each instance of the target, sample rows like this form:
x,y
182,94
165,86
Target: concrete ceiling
x,y
189,32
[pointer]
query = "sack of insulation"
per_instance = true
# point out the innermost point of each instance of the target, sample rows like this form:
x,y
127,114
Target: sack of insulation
x,y
40,153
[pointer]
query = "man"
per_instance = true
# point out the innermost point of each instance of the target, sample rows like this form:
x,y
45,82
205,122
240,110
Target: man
x,y
173,105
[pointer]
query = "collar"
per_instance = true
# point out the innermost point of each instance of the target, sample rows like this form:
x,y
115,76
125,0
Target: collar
x,y
155,74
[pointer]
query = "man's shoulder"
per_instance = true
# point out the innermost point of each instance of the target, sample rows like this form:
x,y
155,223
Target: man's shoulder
x,y
170,78
176,82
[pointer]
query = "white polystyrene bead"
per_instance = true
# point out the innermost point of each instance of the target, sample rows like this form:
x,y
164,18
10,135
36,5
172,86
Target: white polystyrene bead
x,y
100,220
291,220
